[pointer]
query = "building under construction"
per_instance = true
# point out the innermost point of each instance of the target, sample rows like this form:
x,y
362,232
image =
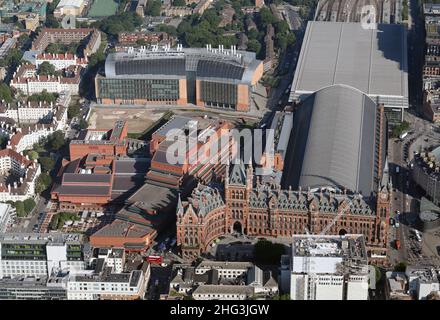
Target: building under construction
x,y
383,11
325,267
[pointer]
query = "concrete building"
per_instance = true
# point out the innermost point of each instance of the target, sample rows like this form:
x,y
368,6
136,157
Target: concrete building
x,y
396,286
60,61
19,175
7,214
39,255
27,81
33,288
217,78
92,37
425,171
262,282
6,46
373,61
103,283
223,292
225,269
329,268
422,281
69,7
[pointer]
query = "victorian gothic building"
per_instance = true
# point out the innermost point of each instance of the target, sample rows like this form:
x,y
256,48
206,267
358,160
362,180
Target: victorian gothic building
x,y
249,207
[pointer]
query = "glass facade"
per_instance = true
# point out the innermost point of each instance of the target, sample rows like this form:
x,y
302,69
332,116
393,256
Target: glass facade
x,y
23,252
221,95
130,89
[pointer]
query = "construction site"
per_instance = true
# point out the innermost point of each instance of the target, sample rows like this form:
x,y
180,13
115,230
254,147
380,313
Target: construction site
x,y
371,11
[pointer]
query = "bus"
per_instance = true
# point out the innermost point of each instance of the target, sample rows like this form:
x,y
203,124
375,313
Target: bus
x,y
155,259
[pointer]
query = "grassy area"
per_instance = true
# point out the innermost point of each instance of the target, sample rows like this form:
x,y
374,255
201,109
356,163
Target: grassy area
x,y
103,8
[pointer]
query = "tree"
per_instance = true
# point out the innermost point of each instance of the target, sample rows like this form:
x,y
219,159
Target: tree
x,y
54,222
46,69
83,124
29,205
254,45
265,17
179,3
171,30
56,140
153,8
47,163
5,93
73,111
52,22
43,96
32,154
43,182
19,208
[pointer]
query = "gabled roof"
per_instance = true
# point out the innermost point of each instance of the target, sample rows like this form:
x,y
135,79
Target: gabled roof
x,y
238,174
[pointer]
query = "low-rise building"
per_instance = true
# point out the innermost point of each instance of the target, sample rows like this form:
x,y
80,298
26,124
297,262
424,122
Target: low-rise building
x,y
329,268
39,255
225,269
7,214
91,37
396,286
27,81
422,281
60,60
262,281
18,176
69,7
33,288
223,292
104,284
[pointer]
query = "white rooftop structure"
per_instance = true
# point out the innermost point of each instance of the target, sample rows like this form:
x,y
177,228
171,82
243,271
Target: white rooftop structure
x,y
371,60
327,267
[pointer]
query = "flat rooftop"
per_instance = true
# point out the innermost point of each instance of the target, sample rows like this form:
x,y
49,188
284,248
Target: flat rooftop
x,y
371,60
350,246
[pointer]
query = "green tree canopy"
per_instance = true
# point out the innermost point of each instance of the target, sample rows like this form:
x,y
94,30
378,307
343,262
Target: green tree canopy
x,y
5,92
56,140
153,8
47,163
43,182
19,208
29,205
179,3
46,69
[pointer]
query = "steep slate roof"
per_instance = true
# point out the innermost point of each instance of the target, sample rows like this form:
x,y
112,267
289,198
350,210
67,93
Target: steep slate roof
x,y
238,174
204,199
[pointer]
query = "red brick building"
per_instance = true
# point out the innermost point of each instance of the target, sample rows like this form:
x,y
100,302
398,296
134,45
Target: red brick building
x,y
98,173
257,209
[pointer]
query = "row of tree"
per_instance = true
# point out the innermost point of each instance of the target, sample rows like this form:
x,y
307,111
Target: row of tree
x,y
23,208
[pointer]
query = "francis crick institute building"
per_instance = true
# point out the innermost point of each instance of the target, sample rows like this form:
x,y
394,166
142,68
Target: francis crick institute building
x,y
216,78
335,181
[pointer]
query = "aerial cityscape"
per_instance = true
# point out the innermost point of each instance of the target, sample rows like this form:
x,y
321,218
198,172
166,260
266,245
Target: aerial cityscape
x,y
219,150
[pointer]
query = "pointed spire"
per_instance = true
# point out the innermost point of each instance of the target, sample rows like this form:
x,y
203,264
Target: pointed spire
x,y
179,205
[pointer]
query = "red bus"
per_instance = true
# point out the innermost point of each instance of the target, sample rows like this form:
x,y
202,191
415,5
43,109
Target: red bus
x,y
154,259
